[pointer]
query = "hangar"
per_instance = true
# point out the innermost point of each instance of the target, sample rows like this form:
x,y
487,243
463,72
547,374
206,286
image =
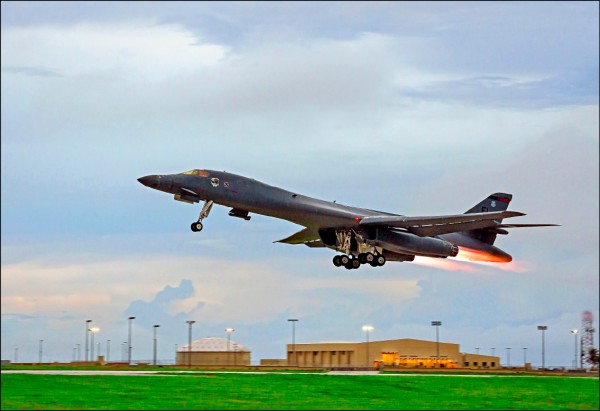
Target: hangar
x,y
213,351
401,353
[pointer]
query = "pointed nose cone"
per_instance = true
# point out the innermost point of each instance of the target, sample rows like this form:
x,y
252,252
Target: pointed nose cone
x,y
150,181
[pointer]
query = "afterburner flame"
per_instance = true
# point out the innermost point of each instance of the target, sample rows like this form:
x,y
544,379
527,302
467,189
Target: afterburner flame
x,y
469,254
472,261
444,264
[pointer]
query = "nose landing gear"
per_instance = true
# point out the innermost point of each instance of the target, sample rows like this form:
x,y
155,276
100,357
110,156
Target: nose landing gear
x,y
197,226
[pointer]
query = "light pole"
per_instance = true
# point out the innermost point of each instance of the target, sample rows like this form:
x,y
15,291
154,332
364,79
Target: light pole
x,y
493,351
508,357
293,321
93,330
74,354
155,326
477,348
543,328
87,331
229,331
524,356
107,350
235,351
366,329
574,332
190,322
41,350
437,324
78,352
129,341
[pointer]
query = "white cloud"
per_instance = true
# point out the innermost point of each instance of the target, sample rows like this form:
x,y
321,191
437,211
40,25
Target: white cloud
x,y
135,51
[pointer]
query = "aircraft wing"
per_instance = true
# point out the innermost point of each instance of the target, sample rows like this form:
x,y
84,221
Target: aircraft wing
x,y
436,225
526,225
306,235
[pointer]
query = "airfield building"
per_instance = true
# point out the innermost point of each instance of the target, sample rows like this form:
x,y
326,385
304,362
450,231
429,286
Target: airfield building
x,y
401,353
213,351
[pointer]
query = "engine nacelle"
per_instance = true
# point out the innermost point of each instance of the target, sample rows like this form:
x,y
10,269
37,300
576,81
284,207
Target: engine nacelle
x,y
407,243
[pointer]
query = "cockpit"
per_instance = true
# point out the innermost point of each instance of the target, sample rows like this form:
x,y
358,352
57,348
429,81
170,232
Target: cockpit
x,y
197,172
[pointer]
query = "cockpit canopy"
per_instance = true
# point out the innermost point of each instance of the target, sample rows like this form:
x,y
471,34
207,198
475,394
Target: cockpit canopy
x,y
197,172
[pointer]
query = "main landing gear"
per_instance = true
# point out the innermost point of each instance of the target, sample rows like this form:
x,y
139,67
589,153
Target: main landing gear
x,y
197,226
351,262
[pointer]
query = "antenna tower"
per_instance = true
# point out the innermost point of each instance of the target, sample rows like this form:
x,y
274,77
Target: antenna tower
x,y
587,338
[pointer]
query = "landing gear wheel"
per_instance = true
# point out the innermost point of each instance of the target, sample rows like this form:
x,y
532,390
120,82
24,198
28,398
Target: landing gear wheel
x,y
380,260
197,226
336,261
355,263
348,265
344,260
362,258
369,258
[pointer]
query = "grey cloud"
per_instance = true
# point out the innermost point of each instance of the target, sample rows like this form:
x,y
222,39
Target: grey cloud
x,y
31,71
17,317
568,88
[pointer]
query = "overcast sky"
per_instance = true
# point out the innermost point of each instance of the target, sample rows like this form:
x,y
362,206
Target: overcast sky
x,y
420,108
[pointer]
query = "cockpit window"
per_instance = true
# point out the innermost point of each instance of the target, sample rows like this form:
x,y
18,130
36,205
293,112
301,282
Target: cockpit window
x,y
196,172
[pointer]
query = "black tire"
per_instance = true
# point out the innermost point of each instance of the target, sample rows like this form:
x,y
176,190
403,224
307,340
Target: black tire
x,y
380,260
362,258
197,226
344,260
336,261
355,263
369,257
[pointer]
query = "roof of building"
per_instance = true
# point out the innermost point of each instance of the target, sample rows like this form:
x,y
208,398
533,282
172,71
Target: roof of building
x,y
214,344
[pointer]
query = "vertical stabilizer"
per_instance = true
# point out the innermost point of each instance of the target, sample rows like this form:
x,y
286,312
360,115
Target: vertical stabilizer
x,y
494,202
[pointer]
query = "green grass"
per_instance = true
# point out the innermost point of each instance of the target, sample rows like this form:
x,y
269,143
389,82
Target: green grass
x,y
296,391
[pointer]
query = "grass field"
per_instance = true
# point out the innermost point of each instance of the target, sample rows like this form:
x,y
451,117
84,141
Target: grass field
x,y
296,391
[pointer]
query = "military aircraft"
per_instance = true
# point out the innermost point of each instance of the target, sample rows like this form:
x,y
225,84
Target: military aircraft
x,y
361,235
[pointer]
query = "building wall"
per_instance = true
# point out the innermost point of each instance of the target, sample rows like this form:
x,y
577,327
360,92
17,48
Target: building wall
x,y
398,353
480,361
221,358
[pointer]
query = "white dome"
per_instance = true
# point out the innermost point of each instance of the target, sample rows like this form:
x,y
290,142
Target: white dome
x,y
214,344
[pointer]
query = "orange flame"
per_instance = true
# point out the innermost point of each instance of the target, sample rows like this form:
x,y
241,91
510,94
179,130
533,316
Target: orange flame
x,y
468,259
444,264
469,254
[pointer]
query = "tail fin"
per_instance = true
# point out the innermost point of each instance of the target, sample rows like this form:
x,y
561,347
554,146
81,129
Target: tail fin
x,y
495,202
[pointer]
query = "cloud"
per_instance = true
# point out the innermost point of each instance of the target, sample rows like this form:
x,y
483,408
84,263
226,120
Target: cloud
x,y
139,51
